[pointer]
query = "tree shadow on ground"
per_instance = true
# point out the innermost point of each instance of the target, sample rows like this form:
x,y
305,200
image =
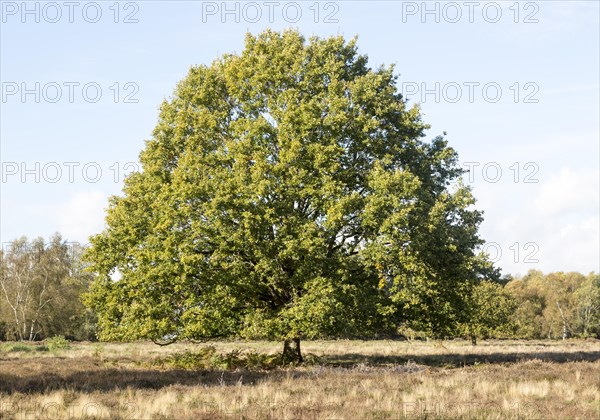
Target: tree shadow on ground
x,y
35,375
87,377
456,359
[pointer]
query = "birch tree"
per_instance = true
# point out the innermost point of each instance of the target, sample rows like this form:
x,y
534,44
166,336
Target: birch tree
x,y
40,286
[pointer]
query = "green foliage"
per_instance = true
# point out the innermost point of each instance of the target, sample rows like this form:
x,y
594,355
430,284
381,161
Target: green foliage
x,y
556,305
58,342
490,311
98,351
21,347
40,289
208,358
587,298
16,347
287,192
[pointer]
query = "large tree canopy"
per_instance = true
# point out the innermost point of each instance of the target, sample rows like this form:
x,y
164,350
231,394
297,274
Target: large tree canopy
x,y
287,192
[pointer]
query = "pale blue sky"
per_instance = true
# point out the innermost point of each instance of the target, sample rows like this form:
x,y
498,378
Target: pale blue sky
x,y
551,132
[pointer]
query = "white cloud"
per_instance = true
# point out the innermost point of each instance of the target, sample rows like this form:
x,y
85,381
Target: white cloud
x,y
551,226
568,191
574,246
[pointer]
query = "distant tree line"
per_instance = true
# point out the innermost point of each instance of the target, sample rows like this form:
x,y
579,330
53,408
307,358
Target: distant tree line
x,y
555,305
536,306
42,285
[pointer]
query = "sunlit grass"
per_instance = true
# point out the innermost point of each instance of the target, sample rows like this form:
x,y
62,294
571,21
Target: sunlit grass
x,y
343,379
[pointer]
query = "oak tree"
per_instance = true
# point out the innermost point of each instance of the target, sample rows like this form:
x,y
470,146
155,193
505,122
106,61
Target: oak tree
x,y
287,193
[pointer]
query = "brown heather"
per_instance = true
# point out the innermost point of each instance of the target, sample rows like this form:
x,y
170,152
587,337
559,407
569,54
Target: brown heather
x,y
342,380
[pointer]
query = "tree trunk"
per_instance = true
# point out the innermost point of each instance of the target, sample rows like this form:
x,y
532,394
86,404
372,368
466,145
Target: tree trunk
x,y
291,351
565,334
473,336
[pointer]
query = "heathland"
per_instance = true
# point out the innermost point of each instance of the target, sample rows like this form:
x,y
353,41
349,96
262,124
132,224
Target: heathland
x,y
339,379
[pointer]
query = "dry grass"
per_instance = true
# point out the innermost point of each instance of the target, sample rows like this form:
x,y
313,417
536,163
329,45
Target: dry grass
x,y
348,380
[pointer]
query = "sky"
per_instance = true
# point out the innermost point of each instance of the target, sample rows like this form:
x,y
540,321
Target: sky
x,y
514,84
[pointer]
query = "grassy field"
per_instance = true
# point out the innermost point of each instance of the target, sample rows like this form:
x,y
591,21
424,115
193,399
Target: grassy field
x,y
340,380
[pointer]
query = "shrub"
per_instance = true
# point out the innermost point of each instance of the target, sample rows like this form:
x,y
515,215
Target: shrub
x,y
17,347
208,358
58,342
